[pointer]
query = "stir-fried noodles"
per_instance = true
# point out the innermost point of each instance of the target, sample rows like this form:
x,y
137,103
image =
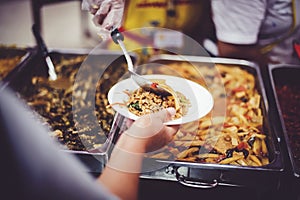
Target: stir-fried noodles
x,y
143,102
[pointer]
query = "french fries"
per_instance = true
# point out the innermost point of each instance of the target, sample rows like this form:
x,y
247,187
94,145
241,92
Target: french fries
x,y
231,159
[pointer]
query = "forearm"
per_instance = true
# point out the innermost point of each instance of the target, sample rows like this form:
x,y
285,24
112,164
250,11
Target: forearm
x,y
121,175
248,52
146,134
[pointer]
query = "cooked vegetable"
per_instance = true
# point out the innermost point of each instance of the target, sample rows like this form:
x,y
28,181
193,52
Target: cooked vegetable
x,y
135,106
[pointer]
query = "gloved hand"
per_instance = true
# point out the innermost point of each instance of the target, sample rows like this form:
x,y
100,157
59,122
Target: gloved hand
x,y
107,14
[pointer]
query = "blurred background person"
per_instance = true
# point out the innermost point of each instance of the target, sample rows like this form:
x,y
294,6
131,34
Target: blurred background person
x,y
190,18
263,31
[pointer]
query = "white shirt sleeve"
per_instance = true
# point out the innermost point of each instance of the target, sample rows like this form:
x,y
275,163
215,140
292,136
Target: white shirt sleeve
x,y
238,21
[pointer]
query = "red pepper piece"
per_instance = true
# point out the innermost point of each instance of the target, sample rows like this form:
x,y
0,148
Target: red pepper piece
x,y
226,125
154,85
239,89
297,48
242,145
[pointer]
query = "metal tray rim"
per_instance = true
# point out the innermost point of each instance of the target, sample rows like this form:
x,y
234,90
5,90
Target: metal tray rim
x,y
220,166
28,54
203,59
93,51
219,60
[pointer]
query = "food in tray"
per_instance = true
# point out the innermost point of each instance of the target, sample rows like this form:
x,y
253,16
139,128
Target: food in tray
x,y
143,102
236,138
288,94
56,106
8,64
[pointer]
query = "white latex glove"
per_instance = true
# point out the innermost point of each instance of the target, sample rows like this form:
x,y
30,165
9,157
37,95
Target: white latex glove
x,y
107,14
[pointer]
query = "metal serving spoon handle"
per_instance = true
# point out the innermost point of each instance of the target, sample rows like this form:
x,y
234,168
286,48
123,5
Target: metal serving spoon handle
x,y
144,83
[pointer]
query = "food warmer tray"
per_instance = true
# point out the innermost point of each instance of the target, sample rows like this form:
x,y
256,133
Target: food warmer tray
x,y
108,67
285,83
206,175
12,59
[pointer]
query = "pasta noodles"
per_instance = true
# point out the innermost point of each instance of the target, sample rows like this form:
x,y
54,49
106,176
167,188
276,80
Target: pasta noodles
x,y
236,138
143,102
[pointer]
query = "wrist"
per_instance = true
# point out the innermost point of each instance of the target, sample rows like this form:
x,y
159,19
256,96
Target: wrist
x,y
131,144
128,154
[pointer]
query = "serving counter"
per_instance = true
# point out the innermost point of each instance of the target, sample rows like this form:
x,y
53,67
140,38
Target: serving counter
x,y
236,147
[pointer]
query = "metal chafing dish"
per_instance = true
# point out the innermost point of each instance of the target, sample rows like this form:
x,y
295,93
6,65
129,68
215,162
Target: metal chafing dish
x,y
11,60
76,116
209,175
285,85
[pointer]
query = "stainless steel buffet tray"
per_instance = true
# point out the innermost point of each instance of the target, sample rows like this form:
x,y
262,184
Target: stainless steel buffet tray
x,y
209,175
285,84
12,59
77,116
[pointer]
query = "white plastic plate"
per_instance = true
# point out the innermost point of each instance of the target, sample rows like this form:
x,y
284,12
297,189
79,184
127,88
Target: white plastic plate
x,y
200,99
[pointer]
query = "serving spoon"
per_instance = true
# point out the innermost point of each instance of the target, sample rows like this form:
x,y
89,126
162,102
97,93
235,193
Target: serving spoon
x,y
54,81
142,82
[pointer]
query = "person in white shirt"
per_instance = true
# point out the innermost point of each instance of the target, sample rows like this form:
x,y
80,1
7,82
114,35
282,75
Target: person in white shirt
x,y
258,30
